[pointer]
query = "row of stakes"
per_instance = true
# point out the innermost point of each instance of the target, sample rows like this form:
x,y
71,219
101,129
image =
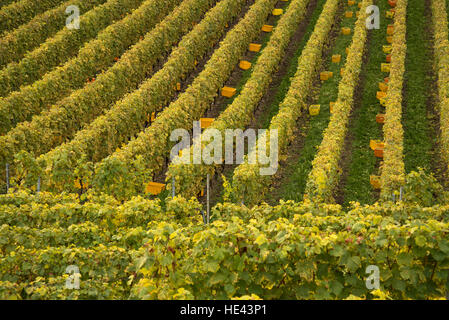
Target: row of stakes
x,y
153,188
156,188
8,184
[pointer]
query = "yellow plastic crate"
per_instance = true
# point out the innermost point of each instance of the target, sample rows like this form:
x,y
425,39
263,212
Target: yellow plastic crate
x,y
389,14
228,92
347,51
383,102
178,86
254,47
346,30
326,75
390,39
375,181
314,109
267,28
154,188
385,67
244,65
277,12
383,86
351,2
336,58
206,122
349,14
387,49
376,144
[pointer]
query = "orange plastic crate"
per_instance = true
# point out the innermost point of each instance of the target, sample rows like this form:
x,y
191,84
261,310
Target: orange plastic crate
x,y
267,28
388,58
349,14
228,92
380,118
392,3
379,153
154,188
244,65
376,144
346,30
254,47
336,58
390,39
381,94
390,29
206,122
326,75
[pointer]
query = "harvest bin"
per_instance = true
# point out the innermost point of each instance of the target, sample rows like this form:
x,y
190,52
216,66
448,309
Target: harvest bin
x,y
267,28
154,188
254,47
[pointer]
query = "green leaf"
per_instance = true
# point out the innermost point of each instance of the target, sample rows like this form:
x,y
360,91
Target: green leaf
x,y
404,259
420,241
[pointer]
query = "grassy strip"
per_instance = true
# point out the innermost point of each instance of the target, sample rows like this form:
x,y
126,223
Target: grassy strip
x,y
364,127
417,134
296,176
